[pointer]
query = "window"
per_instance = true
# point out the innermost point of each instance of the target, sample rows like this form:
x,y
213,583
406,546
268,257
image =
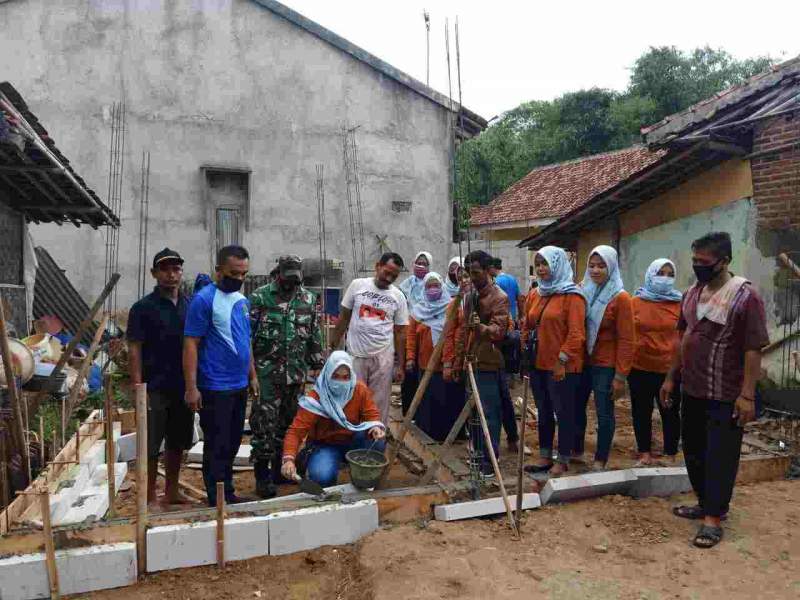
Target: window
x,y
227,195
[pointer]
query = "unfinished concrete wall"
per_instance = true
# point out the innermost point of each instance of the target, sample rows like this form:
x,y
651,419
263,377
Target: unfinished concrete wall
x,y
224,82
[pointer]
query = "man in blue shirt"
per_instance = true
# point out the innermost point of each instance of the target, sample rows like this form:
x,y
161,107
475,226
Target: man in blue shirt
x,y
509,285
218,367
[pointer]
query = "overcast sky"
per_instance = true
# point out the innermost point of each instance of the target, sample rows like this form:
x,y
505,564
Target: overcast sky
x,y
518,50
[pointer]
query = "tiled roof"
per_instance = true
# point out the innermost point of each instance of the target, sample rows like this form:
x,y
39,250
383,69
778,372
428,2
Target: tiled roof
x,y
552,191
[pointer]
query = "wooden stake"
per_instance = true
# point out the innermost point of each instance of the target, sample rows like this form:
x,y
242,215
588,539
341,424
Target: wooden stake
x,y
394,449
141,477
42,442
49,546
108,385
27,437
4,475
221,524
521,453
490,449
78,442
63,421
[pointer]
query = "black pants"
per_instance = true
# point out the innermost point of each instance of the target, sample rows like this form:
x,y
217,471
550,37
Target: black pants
x,y
222,420
712,444
645,387
409,387
507,408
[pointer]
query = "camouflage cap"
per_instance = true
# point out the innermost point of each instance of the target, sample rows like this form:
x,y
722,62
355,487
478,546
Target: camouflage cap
x,y
290,265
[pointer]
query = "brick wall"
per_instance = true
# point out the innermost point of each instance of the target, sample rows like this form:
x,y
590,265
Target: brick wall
x,y
776,175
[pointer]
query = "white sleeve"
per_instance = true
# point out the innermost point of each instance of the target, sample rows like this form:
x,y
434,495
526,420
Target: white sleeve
x,y
349,296
401,314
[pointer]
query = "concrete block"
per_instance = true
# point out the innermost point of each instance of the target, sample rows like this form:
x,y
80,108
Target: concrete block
x,y
660,481
127,447
80,570
91,502
192,545
343,489
96,455
70,487
308,528
242,457
589,485
482,508
98,484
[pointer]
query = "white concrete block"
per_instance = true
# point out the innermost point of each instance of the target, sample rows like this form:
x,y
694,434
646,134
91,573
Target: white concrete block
x,y
80,570
192,545
482,508
70,488
588,485
242,456
98,484
127,447
308,528
660,481
96,455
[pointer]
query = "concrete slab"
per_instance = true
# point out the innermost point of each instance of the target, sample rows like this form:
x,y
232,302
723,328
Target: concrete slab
x,y
482,508
70,487
192,545
589,485
309,528
659,481
92,501
80,570
242,457
127,447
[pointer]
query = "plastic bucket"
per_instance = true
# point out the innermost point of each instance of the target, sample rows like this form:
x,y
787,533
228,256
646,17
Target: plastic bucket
x,y
366,467
39,345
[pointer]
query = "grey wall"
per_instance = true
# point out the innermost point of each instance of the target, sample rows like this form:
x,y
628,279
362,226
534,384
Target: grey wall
x,y
223,81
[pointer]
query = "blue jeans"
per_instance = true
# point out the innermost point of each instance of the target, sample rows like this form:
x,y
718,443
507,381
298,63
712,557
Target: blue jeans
x,y
597,380
488,383
555,397
222,421
324,460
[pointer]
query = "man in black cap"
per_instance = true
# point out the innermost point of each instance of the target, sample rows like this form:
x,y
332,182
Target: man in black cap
x,y
287,345
155,348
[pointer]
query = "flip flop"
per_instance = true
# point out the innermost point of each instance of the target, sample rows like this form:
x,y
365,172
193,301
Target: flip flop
x,y
707,536
692,512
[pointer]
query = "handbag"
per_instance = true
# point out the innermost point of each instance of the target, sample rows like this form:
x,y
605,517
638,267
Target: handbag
x,y
532,345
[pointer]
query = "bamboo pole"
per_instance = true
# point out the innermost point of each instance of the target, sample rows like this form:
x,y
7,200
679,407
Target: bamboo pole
x,y
490,449
49,546
521,453
13,393
4,474
42,443
394,449
108,385
27,437
221,524
78,442
141,477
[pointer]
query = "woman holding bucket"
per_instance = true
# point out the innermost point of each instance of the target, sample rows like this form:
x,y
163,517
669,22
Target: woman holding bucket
x,y
553,336
336,416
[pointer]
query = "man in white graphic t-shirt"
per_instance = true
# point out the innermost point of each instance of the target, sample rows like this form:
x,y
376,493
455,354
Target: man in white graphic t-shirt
x,y
375,314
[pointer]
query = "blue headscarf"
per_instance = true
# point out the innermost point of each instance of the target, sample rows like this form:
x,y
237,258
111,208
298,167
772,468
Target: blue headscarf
x,y
334,395
413,287
432,312
659,288
561,277
598,296
452,288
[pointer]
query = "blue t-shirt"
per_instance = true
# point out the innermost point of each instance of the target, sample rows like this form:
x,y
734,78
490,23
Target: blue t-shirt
x,y
223,324
509,285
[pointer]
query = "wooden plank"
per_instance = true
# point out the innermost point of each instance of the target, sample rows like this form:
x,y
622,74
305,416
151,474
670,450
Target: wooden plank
x,y
108,385
141,477
49,546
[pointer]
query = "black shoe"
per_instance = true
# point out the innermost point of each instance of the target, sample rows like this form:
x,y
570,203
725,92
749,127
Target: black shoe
x,y
234,499
264,486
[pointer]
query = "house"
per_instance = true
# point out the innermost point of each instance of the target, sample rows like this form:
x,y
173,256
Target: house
x,y
237,102
37,186
731,163
545,195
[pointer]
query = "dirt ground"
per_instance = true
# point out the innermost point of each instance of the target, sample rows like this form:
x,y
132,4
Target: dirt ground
x,y
608,548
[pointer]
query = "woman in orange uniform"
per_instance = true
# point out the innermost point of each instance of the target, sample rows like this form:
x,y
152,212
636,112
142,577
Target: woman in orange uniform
x,y
553,337
610,344
656,309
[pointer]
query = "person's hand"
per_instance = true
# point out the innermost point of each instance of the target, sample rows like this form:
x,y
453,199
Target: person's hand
x,y
377,433
193,399
617,387
474,320
665,393
289,470
409,365
744,410
560,371
255,387
399,374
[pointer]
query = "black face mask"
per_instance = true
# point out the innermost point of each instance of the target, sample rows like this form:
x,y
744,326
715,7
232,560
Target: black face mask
x,y
705,273
228,285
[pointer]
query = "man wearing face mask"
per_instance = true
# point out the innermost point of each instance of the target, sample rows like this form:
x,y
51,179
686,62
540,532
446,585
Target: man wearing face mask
x,y
722,328
287,345
218,367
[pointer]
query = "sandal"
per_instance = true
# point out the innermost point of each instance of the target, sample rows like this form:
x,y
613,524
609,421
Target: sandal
x,y
708,536
688,512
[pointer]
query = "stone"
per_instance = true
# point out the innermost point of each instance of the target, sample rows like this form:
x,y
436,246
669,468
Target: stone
x,y
309,528
80,570
600,548
242,456
195,544
482,508
660,481
588,485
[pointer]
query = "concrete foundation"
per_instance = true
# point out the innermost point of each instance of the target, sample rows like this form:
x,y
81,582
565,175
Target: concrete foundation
x,y
589,485
659,481
482,508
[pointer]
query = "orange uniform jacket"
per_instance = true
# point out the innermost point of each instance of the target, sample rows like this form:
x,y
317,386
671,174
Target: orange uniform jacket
x,y
656,334
311,427
419,344
562,328
616,339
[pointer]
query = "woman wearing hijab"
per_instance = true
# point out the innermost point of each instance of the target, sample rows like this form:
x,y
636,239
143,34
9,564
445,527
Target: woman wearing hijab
x,y
434,415
656,309
455,270
555,323
337,415
414,290
610,344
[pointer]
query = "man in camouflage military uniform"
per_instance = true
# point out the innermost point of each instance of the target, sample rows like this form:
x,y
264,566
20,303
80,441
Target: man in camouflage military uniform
x,y
286,346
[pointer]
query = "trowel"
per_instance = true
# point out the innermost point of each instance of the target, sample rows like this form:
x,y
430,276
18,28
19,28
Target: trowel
x,y
308,486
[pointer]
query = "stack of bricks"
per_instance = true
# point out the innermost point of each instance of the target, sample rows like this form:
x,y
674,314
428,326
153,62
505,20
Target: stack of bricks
x,y
776,172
